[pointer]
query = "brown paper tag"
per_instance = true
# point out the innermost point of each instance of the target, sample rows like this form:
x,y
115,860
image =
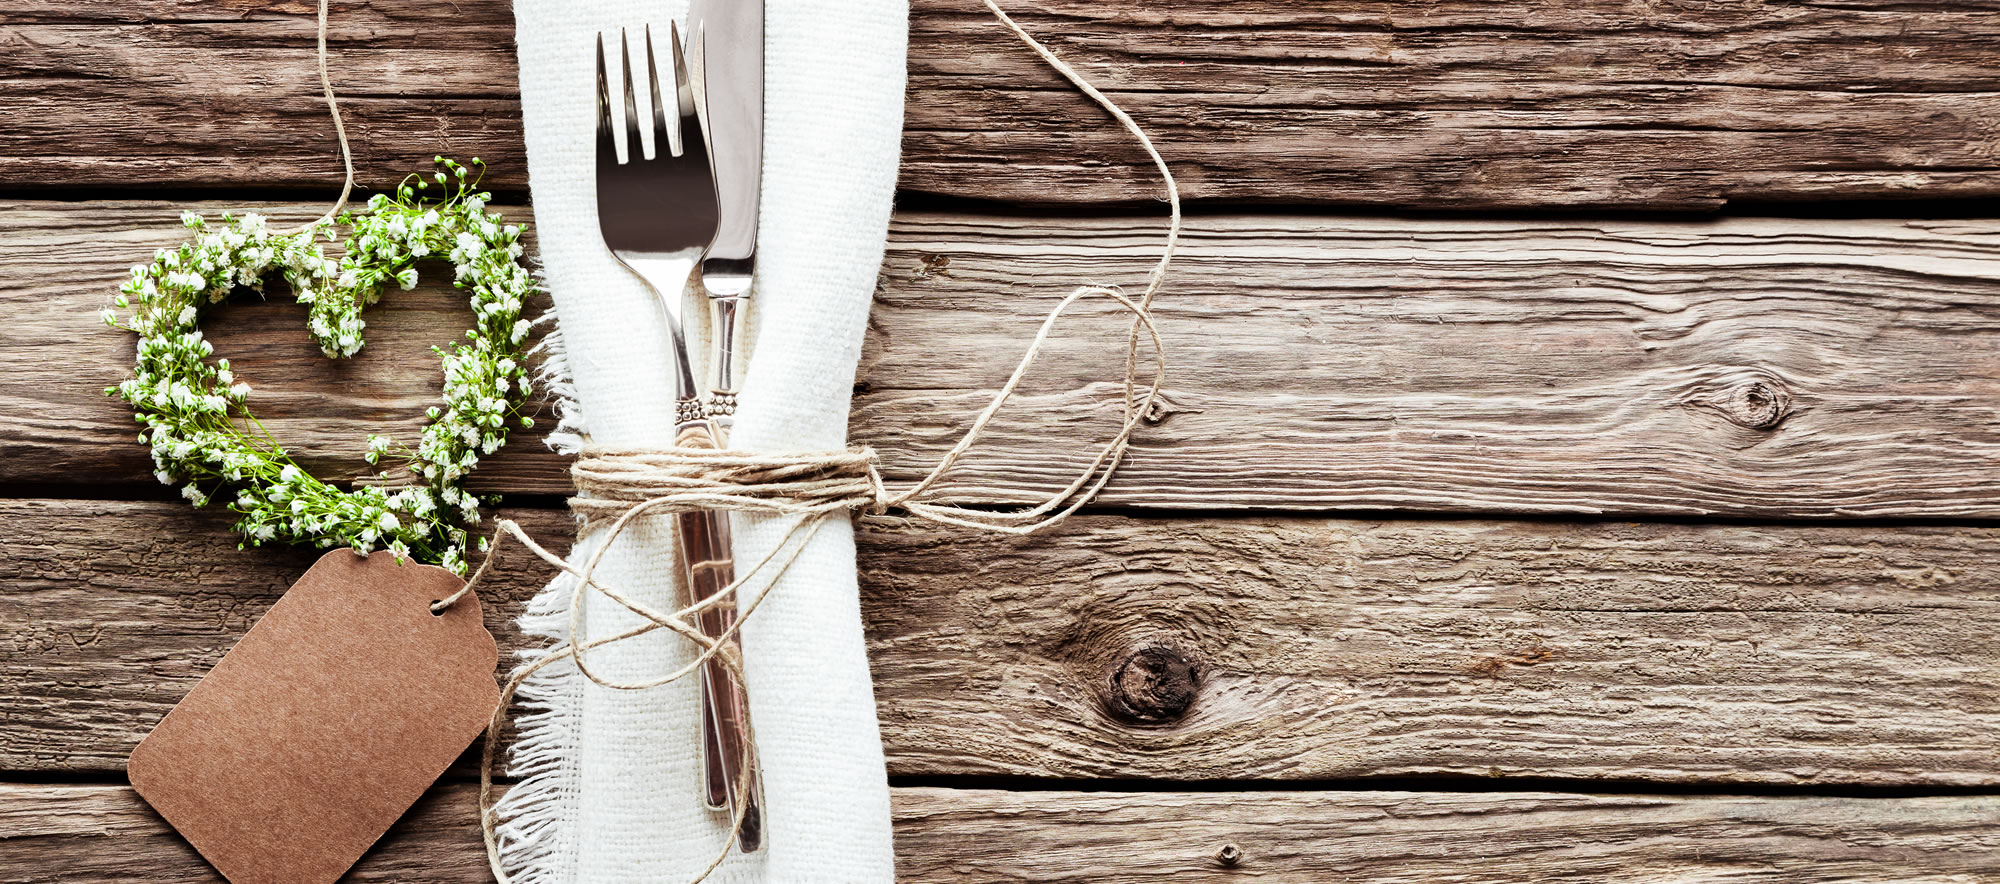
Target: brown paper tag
x,y
325,723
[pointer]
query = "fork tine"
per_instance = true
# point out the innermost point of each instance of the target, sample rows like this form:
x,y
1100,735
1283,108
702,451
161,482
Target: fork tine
x,y
666,131
604,131
634,146
684,93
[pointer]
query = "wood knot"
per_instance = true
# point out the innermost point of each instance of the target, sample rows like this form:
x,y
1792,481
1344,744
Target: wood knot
x,y
1155,684
1748,398
929,265
1535,654
1165,407
1230,855
1759,405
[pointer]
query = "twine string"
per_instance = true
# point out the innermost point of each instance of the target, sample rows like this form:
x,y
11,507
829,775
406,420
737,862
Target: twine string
x,y
1092,479
339,131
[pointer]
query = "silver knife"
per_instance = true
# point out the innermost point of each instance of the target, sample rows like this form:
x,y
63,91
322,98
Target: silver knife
x,y
729,49
732,58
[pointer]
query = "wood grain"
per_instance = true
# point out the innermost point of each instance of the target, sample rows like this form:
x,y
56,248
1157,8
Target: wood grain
x,y
110,612
1451,103
952,835
1757,368
106,835
1194,649
1317,649
1463,103
1745,368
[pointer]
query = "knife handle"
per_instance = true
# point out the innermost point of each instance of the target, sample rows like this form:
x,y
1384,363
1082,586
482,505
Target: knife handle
x,y
725,313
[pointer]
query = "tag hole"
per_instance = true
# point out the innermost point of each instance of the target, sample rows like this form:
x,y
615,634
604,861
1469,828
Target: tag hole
x,y
437,607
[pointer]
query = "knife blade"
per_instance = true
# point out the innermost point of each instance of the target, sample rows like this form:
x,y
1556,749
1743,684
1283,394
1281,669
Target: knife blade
x,y
732,58
730,42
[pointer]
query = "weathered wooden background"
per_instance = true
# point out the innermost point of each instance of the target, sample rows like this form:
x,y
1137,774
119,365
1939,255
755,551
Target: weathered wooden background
x,y
1577,465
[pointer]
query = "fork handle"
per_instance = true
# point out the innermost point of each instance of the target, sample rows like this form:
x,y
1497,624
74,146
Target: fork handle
x,y
709,568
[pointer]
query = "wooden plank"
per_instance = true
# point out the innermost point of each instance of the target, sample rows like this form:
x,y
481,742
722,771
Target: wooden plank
x,y
1454,103
229,96
1752,367
108,835
102,834
1319,649
112,611
950,835
1749,368
1462,103
1211,649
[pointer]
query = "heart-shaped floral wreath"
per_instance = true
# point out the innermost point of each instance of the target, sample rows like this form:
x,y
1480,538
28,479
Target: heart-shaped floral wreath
x,y
195,413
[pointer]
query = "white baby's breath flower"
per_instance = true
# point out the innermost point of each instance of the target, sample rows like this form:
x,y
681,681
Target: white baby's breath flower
x,y
184,408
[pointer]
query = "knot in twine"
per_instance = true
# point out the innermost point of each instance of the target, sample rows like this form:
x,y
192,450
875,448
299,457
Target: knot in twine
x,y
612,481
615,487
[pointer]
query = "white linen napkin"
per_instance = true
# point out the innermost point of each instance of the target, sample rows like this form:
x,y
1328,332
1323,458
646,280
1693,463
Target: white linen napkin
x,y
610,788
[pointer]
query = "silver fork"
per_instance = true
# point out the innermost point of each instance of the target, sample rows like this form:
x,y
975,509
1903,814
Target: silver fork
x,y
658,217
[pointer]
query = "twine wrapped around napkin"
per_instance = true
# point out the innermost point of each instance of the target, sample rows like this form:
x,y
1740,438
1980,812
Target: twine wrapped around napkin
x,y
609,770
